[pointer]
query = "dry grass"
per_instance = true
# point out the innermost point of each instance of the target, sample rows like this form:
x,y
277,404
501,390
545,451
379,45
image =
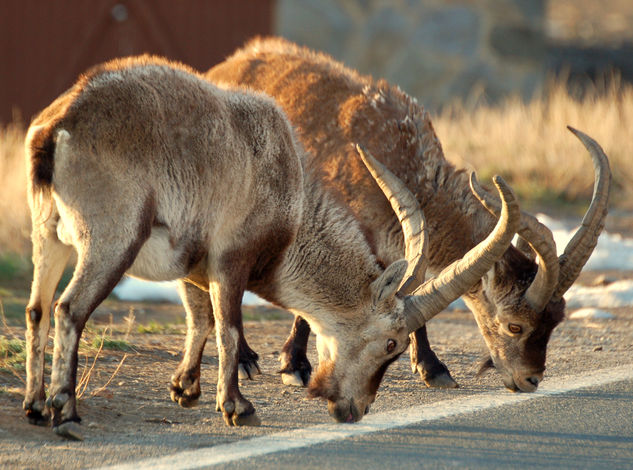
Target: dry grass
x,y
528,143
525,142
14,216
86,373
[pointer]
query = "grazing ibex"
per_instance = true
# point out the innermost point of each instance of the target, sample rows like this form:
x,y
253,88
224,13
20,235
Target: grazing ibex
x,y
145,167
517,304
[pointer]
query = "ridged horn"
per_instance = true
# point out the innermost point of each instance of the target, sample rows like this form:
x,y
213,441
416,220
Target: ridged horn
x,y
436,294
540,239
411,218
556,274
580,247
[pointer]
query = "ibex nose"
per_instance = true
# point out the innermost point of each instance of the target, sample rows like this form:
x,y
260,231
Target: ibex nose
x,y
529,383
533,380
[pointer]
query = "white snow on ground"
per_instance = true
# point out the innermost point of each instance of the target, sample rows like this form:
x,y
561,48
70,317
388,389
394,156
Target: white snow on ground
x,y
616,294
612,252
137,290
591,313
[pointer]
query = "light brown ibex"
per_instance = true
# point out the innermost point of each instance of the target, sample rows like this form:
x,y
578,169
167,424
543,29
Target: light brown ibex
x,y
145,167
517,303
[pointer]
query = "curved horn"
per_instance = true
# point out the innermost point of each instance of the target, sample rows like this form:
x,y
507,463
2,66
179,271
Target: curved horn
x,y
567,267
408,211
540,238
435,295
581,246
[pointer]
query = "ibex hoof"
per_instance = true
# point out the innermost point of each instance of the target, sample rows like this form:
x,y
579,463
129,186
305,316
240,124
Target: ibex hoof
x,y
248,370
37,418
293,380
184,400
69,430
187,402
57,401
185,390
245,419
241,413
438,380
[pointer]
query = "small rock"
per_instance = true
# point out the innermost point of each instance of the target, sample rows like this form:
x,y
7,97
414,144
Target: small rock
x,y
597,348
105,393
93,425
602,280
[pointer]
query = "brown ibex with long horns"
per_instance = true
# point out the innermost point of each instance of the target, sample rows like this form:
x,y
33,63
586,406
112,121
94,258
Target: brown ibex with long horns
x,y
144,167
517,303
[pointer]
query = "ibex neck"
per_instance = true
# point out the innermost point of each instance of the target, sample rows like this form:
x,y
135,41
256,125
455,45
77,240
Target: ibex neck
x,y
456,220
328,266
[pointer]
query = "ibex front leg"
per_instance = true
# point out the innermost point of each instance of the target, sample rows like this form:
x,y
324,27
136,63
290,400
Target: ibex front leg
x,y
295,366
185,382
226,297
425,362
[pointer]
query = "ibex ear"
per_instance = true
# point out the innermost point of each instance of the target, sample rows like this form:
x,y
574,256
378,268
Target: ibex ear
x,y
389,281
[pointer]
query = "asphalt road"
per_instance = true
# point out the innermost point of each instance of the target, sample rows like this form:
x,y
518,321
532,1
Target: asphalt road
x,y
584,427
591,428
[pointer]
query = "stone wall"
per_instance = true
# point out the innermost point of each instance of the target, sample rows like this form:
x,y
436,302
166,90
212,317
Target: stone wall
x,y
435,50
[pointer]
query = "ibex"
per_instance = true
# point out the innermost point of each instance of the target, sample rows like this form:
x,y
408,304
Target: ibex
x,y
145,167
517,304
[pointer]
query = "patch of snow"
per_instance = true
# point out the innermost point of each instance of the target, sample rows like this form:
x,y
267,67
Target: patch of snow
x,y
459,304
612,251
616,294
138,290
591,314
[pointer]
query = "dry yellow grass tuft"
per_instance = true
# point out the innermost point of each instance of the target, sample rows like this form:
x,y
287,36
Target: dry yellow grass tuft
x,y
15,221
528,143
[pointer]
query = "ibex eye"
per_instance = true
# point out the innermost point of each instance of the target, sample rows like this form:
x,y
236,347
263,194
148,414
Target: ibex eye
x,y
514,328
391,345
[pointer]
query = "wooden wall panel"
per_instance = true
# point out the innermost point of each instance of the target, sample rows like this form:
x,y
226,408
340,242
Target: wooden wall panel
x,y
44,45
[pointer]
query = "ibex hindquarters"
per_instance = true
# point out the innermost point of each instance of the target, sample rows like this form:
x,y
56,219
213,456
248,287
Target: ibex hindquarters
x,y
145,168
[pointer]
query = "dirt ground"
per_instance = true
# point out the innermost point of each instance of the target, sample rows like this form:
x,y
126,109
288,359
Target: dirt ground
x,y
133,416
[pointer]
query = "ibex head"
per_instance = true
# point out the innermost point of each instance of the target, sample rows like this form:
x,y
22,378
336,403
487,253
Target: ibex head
x,y
518,304
353,359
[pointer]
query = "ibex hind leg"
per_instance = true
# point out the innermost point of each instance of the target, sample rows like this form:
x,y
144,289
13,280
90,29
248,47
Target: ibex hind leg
x,y
50,257
99,267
